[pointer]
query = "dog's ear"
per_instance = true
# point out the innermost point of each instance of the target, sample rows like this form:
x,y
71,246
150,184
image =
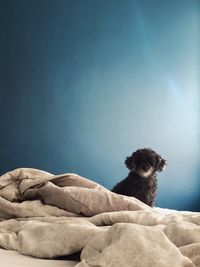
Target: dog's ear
x,y
161,164
130,163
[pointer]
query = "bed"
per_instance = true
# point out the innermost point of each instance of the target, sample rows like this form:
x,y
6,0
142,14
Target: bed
x,y
68,220
11,258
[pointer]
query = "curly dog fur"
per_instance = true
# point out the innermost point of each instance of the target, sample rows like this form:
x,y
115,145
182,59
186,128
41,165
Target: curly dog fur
x,y
141,181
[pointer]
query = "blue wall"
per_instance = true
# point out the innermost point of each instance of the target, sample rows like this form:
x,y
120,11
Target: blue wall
x,y
84,83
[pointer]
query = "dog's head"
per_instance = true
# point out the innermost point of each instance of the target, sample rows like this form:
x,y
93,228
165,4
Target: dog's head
x,y
145,162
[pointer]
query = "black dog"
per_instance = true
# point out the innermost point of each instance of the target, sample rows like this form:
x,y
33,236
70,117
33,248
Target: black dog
x,y
141,182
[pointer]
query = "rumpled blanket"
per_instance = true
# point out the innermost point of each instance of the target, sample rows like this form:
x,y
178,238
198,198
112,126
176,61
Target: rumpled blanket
x,y
47,216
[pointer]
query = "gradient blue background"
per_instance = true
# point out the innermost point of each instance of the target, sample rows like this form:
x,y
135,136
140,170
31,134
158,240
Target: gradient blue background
x,y
84,83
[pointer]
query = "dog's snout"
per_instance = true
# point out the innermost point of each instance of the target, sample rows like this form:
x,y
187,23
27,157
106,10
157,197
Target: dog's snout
x,y
146,166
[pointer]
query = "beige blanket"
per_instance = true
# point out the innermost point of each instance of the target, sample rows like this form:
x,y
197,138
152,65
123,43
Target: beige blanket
x,y
46,216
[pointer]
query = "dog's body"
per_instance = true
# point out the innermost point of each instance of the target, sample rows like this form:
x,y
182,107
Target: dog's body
x,y
141,182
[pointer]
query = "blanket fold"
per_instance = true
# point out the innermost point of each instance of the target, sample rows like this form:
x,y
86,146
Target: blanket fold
x,y
48,216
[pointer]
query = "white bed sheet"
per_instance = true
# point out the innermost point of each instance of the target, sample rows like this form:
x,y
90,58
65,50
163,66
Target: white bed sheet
x,y
10,258
170,211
